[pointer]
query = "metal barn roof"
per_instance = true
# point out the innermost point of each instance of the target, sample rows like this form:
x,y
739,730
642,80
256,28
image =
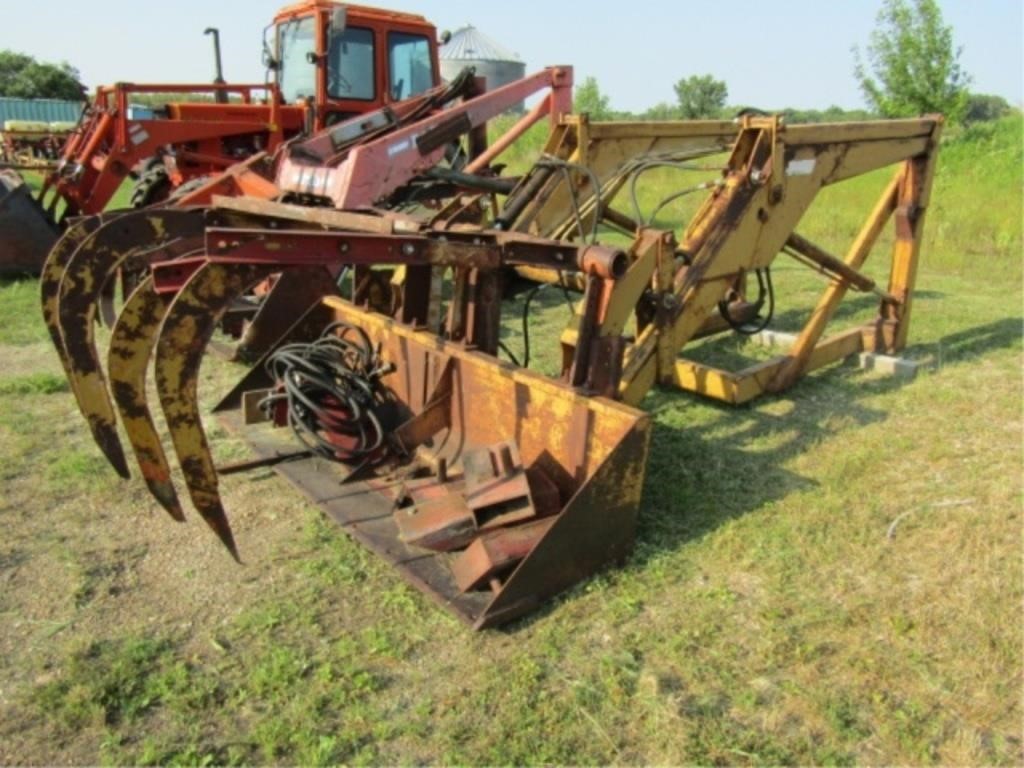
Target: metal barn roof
x,y
470,44
39,110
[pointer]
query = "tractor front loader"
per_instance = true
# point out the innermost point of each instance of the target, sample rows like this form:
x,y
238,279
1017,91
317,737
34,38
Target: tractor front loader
x,y
329,61
490,486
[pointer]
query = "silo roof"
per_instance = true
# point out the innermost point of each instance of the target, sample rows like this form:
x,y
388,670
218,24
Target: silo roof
x,y
470,44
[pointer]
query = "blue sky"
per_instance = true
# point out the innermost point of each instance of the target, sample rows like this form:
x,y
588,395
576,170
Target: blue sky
x,y
771,54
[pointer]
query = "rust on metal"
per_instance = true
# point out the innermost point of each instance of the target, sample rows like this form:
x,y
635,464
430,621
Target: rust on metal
x,y
497,489
131,347
437,518
88,270
188,325
495,553
293,292
487,406
52,272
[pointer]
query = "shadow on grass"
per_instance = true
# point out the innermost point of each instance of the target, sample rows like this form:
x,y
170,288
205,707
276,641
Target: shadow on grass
x,y
732,460
974,342
8,279
732,352
852,308
700,477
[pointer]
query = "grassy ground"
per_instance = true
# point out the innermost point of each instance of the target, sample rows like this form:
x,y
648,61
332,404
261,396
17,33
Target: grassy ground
x,y
828,576
121,198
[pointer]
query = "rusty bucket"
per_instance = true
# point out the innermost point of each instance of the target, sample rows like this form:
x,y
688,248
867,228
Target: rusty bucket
x,y
26,232
557,475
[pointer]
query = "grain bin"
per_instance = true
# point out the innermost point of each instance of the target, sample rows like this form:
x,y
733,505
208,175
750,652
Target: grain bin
x,y
469,47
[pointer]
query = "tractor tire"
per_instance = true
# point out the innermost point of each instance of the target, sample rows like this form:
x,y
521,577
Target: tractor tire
x,y
143,167
189,186
154,186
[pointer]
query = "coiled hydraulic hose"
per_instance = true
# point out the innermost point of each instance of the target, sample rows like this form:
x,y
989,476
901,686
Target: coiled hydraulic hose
x,y
333,391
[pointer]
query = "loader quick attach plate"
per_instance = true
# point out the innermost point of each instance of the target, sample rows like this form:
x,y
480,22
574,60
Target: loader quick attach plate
x,y
592,453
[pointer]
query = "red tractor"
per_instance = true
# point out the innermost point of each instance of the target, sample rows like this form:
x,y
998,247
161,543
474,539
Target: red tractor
x,y
328,62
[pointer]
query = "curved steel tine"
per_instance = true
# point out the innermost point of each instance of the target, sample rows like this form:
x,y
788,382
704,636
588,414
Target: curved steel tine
x,y
87,272
53,269
187,328
131,345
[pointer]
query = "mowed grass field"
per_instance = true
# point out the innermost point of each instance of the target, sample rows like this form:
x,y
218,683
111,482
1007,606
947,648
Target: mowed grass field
x,y
832,575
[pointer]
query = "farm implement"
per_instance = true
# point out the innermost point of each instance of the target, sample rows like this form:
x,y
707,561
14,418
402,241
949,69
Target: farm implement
x,y
31,144
329,63
387,401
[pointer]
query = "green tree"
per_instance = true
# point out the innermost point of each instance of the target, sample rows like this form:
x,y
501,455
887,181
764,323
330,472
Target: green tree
x,y
982,107
23,77
589,99
912,67
661,111
832,114
700,96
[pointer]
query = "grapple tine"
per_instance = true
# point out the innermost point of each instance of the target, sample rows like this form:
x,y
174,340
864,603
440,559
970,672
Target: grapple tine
x,y
131,345
53,270
90,390
187,328
88,271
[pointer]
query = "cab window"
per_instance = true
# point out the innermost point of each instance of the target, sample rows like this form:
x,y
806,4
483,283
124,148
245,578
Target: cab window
x,y
297,77
411,67
350,70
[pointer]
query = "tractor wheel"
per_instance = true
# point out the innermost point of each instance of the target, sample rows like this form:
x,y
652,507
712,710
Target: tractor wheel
x,y
189,186
153,186
143,167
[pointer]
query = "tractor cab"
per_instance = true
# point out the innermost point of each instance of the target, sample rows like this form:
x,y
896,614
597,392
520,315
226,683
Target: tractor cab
x,y
348,59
